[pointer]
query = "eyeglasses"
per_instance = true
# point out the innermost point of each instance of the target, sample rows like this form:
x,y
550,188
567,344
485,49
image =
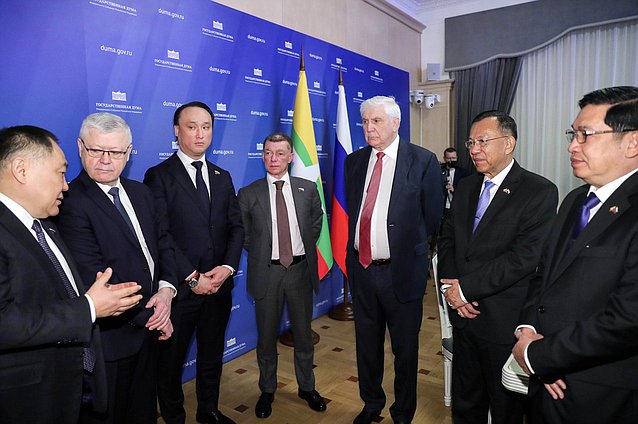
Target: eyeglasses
x,y
581,135
96,153
480,142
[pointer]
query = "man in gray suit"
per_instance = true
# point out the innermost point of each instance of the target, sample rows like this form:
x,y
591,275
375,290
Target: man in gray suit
x,y
282,218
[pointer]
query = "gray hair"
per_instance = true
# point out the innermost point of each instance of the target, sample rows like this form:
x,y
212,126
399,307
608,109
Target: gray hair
x,y
389,104
105,123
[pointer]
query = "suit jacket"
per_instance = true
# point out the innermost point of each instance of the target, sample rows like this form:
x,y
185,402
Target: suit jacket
x,y
42,332
254,201
98,237
203,241
416,206
459,174
584,299
495,263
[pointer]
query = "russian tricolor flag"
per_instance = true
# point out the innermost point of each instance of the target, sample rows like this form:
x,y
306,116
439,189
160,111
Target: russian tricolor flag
x,y
343,147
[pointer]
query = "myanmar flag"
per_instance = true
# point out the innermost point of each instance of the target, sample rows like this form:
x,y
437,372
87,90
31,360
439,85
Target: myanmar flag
x,y
305,163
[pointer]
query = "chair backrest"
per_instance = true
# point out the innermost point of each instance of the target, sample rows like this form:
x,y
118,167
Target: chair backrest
x,y
446,326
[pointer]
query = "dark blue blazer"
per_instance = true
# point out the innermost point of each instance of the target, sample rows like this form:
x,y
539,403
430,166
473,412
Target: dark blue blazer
x,y
203,242
98,237
42,332
416,206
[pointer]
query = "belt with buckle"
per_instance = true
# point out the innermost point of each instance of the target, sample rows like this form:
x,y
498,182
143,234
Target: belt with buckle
x,y
381,261
295,260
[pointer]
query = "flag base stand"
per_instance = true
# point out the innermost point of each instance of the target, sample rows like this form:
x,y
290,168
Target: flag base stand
x,y
343,312
287,339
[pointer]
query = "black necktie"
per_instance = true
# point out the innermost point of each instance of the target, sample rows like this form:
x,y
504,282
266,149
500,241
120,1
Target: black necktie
x,y
283,226
201,186
89,355
115,192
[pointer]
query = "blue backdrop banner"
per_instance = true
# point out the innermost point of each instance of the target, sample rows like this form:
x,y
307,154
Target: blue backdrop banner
x,y
63,60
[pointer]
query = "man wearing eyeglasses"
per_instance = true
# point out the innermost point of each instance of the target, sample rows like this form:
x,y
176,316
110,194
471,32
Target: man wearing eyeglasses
x,y
110,221
579,327
489,247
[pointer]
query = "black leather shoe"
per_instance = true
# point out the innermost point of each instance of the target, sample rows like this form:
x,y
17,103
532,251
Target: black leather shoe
x,y
263,409
213,417
314,399
366,417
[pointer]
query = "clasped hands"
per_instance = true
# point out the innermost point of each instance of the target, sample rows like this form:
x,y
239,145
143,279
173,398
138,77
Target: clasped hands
x,y
526,336
211,281
451,291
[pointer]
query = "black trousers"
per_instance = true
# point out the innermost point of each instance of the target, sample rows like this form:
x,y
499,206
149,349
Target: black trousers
x,y
376,308
206,317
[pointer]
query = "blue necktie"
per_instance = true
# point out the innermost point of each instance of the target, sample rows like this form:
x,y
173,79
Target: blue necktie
x,y
88,354
582,222
483,203
200,185
115,192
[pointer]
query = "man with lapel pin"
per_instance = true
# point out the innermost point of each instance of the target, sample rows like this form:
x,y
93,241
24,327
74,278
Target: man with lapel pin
x,y
205,222
394,196
579,327
51,362
282,218
489,247
111,221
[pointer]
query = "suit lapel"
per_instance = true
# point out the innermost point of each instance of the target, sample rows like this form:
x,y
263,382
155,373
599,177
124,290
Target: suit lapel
x,y
298,194
146,221
263,199
24,236
102,202
501,197
55,236
184,180
401,171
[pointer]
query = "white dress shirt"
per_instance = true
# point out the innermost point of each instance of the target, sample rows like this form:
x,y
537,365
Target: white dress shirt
x,y
27,220
379,243
128,207
295,232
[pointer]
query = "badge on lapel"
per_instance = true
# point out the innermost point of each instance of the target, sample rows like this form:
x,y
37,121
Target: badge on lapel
x,y
217,172
614,210
506,190
301,189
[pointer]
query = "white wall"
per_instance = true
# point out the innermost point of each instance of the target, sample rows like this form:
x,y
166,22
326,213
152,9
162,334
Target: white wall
x,y
433,37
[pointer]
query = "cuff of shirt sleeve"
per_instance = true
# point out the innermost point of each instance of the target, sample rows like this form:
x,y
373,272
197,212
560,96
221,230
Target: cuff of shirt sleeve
x,y
162,284
91,306
461,294
232,270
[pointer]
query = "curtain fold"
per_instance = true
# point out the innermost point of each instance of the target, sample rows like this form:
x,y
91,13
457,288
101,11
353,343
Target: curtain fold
x,y
491,85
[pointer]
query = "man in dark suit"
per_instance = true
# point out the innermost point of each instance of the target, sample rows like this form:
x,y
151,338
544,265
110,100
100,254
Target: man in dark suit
x,y
110,221
205,222
488,250
579,327
51,361
393,194
452,174
282,219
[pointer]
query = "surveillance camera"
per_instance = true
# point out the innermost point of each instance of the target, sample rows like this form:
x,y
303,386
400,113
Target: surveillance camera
x,y
429,101
419,95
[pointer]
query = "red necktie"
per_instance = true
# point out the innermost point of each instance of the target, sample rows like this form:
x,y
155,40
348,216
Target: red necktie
x,y
365,249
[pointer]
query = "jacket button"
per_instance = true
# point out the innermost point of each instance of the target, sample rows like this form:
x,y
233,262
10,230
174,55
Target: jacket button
x,y
541,309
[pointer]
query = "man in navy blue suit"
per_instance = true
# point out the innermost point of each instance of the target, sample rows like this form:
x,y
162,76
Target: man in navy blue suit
x,y
205,222
394,198
110,221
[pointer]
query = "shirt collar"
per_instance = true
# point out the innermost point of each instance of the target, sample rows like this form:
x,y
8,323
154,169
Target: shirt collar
x,y
17,209
105,187
392,150
604,192
500,177
271,180
187,160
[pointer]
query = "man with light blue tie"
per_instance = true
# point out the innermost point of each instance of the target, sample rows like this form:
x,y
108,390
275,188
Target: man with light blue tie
x,y
489,247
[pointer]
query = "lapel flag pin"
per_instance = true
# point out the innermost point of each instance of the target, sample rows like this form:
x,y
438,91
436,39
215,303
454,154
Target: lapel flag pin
x,y
614,210
506,190
301,189
217,172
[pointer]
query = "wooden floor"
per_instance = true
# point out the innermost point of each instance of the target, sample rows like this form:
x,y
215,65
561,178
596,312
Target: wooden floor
x,y
336,379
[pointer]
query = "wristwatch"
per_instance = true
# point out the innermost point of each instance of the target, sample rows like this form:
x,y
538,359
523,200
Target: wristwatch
x,y
193,279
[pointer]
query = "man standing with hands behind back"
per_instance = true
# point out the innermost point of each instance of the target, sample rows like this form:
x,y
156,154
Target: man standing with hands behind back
x,y
579,327
489,247
205,222
393,193
51,362
282,218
